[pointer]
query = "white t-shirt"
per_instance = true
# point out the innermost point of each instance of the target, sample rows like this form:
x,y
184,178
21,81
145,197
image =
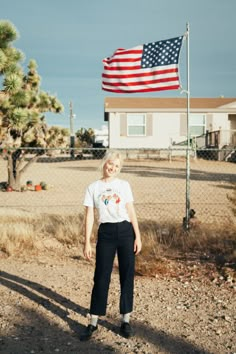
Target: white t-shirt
x,y
110,199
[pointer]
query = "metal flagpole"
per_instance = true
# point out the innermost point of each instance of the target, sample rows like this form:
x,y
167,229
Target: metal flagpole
x,y
187,216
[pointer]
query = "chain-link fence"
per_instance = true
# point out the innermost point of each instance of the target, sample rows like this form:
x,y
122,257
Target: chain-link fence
x,y
56,182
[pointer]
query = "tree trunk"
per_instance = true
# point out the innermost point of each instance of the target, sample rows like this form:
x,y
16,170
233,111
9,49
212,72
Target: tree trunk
x,y
16,168
14,175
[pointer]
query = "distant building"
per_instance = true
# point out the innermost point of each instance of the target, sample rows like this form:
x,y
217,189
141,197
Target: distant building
x,y
101,136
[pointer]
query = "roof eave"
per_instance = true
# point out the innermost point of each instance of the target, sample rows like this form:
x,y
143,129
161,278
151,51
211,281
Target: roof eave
x,y
171,110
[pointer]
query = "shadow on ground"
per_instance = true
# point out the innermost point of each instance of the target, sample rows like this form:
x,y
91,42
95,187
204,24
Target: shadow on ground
x,y
34,333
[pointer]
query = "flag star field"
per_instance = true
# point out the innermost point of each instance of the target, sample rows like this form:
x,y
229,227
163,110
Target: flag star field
x,y
161,53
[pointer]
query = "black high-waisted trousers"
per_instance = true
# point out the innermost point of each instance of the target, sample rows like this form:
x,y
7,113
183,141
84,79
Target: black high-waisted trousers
x,y
112,238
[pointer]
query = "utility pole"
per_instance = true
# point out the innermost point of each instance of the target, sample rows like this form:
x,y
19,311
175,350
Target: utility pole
x,y
72,135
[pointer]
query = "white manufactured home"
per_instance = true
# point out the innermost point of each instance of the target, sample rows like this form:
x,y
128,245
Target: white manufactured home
x,y
158,123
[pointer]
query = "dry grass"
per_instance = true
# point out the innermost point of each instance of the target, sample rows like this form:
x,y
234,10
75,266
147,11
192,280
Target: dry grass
x,y
205,243
66,229
162,243
17,232
17,238
21,232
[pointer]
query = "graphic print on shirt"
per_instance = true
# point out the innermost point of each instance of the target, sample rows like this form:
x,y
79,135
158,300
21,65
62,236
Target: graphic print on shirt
x,y
110,201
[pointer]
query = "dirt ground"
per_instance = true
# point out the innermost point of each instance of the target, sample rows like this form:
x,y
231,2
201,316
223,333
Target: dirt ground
x,y
45,296
159,187
45,299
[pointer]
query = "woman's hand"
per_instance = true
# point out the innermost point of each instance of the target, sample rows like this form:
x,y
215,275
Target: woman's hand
x,y
134,222
137,246
88,251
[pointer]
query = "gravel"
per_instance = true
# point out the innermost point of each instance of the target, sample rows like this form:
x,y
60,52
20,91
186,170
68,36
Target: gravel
x,y
45,299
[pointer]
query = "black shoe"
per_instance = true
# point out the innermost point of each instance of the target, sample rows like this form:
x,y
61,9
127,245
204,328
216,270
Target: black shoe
x,y
88,332
126,330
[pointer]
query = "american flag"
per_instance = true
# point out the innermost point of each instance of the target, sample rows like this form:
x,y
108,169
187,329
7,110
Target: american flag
x,y
145,68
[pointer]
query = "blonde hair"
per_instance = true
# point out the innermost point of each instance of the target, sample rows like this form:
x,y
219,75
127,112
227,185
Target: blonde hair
x,y
111,155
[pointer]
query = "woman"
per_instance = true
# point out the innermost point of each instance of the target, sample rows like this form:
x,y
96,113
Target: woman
x,y
119,233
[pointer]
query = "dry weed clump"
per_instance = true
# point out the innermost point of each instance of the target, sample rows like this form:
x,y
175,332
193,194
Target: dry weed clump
x,y
17,232
214,243
209,239
21,232
17,238
150,261
65,229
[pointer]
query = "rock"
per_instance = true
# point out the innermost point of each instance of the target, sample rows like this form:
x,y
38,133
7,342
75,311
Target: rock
x,y
226,318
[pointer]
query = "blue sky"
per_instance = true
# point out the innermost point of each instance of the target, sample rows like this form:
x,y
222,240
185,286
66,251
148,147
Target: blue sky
x,y
69,39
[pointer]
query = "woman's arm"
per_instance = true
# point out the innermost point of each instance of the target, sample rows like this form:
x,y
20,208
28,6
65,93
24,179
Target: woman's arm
x,y
89,220
134,222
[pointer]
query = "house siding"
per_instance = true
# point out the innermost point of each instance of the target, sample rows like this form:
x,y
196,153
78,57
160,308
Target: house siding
x,y
162,129
166,120
220,121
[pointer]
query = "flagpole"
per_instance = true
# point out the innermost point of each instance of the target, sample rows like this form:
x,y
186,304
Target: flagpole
x,y
187,216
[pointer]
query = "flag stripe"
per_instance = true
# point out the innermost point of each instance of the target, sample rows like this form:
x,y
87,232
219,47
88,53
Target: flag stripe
x,y
144,68
120,68
120,75
141,80
129,83
148,89
123,60
124,54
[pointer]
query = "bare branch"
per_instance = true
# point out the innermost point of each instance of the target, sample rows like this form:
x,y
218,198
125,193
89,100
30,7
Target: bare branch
x,y
29,163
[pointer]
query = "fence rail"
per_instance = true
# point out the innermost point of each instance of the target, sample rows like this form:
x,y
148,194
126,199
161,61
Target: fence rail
x,y
157,177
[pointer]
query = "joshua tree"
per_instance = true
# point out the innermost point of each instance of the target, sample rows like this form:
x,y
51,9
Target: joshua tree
x,y
85,136
22,108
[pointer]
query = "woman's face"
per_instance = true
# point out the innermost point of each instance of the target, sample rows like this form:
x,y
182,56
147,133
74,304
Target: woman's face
x,y
111,168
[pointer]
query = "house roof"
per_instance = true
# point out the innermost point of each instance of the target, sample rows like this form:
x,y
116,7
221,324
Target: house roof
x,y
130,103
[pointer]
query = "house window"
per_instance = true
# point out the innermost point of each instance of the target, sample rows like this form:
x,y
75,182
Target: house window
x,y
136,124
197,124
